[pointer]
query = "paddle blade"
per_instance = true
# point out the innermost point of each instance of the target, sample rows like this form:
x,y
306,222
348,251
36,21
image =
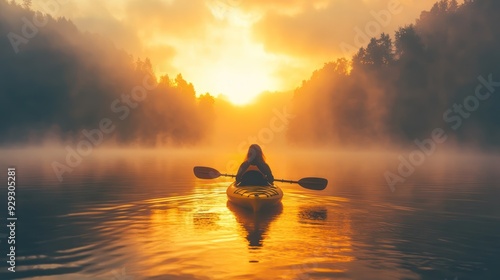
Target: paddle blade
x,y
203,172
313,183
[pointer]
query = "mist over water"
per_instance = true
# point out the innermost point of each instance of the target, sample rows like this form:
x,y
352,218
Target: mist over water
x,y
435,73
406,132
143,214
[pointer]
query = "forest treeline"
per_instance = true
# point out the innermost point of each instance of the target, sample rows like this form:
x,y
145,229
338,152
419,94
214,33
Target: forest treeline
x,y
56,81
443,71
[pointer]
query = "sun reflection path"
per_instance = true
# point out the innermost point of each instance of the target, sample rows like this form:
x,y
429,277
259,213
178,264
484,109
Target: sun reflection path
x,y
201,234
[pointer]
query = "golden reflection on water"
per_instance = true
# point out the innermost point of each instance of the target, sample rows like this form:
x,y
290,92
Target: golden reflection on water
x,y
204,235
150,217
196,232
255,225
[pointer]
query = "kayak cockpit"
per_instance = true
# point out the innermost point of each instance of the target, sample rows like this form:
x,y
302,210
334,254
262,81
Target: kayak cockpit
x,y
254,197
253,178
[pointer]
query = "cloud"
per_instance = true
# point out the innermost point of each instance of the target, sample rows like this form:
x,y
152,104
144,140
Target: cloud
x,y
179,19
311,31
318,29
191,37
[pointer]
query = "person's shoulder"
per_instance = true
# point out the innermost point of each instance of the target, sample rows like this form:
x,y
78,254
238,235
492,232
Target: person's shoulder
x,y
263,163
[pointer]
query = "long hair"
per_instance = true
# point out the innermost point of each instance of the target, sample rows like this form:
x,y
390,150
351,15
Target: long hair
x,y
255,154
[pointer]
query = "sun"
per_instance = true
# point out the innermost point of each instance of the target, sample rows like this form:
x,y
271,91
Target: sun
x,y
239,82
238,72
228,61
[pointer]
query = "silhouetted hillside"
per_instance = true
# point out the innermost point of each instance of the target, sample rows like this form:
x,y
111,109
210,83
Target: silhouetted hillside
x,y
431,74
56,81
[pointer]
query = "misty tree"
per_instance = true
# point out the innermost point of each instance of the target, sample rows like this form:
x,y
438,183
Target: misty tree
x,y
453,6
402,89
63,86
27,4
408,43
378,52
339,67
185,87
444,6
206,107
144,66
359,59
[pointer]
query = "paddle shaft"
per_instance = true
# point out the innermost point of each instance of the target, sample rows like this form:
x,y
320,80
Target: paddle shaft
x,y
276,180
286,181
311,183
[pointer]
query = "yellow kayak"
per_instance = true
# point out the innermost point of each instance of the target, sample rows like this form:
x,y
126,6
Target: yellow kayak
x,y
254,192
254,197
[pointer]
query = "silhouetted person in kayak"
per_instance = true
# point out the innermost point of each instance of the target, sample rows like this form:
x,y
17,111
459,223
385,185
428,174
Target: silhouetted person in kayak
x,y
254,170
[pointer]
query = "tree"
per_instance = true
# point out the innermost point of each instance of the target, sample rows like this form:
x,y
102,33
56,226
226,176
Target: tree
x,y
378,52
408,42
184,87
27,4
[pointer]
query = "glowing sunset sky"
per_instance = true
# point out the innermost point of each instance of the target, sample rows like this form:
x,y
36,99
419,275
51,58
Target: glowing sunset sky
x,y
237,48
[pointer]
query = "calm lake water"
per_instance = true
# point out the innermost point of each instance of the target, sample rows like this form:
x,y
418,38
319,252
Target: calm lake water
x,y
126,215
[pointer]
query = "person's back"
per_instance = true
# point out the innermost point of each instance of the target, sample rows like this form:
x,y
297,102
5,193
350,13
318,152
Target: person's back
x,y
254,170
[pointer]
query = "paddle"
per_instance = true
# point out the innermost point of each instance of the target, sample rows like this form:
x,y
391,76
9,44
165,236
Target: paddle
x,y
203,172
311,183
